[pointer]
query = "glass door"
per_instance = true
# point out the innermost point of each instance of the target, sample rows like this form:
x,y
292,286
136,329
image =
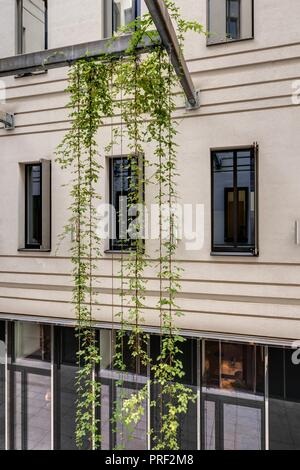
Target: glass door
x,y
232,405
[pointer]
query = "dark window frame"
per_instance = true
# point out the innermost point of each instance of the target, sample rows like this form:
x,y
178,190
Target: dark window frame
x,y
20,44
122,246
249,250
228,40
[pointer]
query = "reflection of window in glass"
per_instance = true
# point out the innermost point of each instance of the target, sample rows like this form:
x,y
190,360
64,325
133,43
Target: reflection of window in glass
x,y
124,12
233,9
32,342
33,206
229,20
234,201
32,26
231,366
233,396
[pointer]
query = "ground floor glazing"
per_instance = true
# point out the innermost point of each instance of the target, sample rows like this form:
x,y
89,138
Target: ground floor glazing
x,y
248,395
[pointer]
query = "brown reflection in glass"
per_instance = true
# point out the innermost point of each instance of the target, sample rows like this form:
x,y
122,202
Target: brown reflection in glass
x,y
212,364
232,366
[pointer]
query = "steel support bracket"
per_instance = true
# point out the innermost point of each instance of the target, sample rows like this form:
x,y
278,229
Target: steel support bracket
x,y
8,120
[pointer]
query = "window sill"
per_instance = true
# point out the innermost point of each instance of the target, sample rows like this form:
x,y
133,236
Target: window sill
x,y
234,253
118,252
228,41
34,250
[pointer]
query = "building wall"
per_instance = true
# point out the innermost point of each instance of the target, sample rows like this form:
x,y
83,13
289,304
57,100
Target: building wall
x,y
246,90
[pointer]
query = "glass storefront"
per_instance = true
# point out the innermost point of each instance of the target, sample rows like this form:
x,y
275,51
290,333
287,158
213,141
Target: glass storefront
x,y
248,396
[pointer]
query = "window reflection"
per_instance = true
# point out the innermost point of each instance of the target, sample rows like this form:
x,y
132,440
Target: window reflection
x,y
123,13
32,342
230,20
32,26
233,396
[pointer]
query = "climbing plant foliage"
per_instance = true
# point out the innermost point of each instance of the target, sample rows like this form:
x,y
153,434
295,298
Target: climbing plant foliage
x,y
139,92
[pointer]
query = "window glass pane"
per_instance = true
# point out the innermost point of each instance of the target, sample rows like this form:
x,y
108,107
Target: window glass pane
x,y
284,400
114,392
230,20
223,202
246,198
121,181
234,201
187,432
123,13
38,388
2,385
33,206
67,345
33,26
30,394
32,343
233,396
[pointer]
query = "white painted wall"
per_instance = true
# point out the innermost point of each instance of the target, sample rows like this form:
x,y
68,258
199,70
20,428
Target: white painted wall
x,y
246,93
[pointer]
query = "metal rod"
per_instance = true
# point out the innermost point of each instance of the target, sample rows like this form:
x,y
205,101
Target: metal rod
x,y
165,28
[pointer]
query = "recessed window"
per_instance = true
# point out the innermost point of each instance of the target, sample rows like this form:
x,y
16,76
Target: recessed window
x,y
32,25
37,217
230,20
123,200
234,201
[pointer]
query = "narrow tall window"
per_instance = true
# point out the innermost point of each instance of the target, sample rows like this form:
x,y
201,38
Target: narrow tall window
x,y
37,215
233,12
32,26
126,199
234,201
33,206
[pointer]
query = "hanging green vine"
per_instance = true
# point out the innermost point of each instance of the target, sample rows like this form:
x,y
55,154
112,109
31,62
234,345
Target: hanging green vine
x,y
147,117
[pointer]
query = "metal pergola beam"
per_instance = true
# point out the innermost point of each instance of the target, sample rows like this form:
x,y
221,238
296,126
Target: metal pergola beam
x,y
167,33
64,56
